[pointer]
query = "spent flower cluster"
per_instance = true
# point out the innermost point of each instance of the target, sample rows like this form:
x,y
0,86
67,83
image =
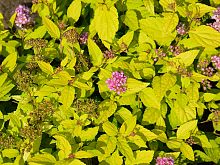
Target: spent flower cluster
x,y
117,82
216,61
108,54
23,16
164,161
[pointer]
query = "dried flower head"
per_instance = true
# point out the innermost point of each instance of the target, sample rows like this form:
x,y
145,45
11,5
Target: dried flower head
x,y
108,54
117,82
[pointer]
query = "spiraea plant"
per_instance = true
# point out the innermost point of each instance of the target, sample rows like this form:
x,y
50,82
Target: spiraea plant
x,y
110,82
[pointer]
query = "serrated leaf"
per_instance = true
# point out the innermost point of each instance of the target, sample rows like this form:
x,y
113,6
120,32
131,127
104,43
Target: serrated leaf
x,y
95,53
74,10
149,5
63,144
67,96
148,135
125,149
10,62
187,151
126,39
89,134
10,153
83,154
107,144
106,23
76,162
3,77
185,130
160,29
128,126
144,157
45,67
205,36
110,129
134,86
162,84
131,20
186,58
37,33
52,28
150,116
149,98
43,159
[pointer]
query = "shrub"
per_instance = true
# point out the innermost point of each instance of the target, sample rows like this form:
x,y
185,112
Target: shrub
x,y
110,82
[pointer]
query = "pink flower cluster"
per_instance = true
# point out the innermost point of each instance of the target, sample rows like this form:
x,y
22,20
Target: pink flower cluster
x,y
216,17
181,29
216,61
164,161
83,38
22,16
117,82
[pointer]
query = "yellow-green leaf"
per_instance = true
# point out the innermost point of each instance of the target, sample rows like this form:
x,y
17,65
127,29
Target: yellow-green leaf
x,y
106,23
74,10
45,67
95,53
205,36
52,28
185,130
187,151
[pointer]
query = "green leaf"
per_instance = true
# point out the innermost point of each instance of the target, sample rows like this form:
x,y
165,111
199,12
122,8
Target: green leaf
x,y
134,4
37,33
126,39
162,84
110,129
45,67
167,4
74,10
115,159
128,126
151,115
67,96
3,77
186,58
89,134
107,144
52,28
149,98
83,154
10,153
144,157
125,149
185,130
149,5
205,36
147,134
43,159
76,162
106,23
63,144
131,20
10,62
160,29
187,151
95,53
134,86
181,111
